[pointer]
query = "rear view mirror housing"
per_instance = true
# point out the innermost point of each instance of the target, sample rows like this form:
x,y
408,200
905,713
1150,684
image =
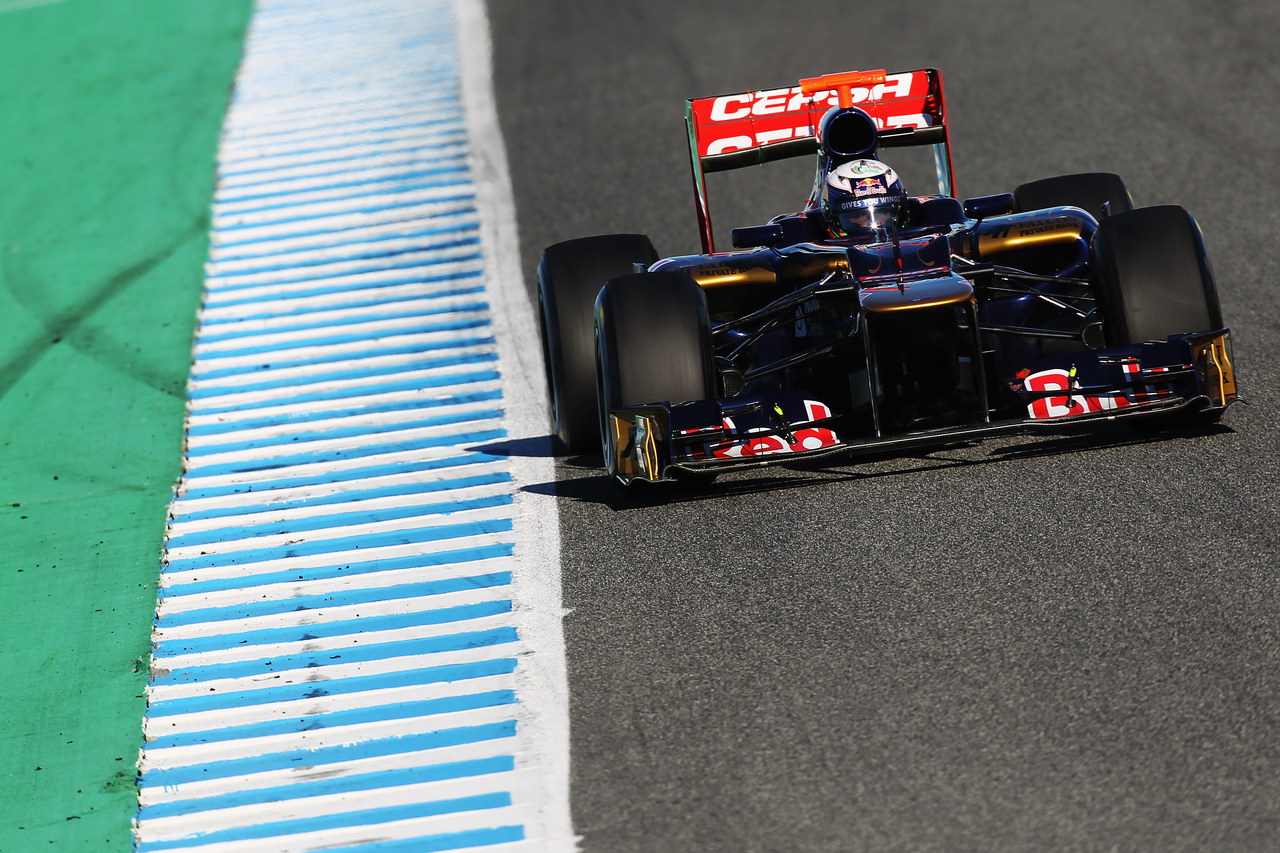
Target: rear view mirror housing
x,y
786,231
980,207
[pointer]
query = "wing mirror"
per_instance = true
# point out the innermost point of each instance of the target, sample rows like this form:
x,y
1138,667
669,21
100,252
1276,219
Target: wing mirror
x,y
756,235
980,207
786,231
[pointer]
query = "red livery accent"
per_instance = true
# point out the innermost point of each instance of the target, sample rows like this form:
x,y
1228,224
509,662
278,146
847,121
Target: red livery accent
x,y
812,438
809,438
749,121
816,411
746,120
1061,407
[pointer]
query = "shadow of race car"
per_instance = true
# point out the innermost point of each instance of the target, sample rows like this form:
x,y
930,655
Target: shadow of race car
x,y
872,319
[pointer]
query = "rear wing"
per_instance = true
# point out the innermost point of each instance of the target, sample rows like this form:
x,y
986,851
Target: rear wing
x,y
752,128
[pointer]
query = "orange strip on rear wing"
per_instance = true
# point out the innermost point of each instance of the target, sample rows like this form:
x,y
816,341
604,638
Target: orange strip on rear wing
x,y
843,84
751,128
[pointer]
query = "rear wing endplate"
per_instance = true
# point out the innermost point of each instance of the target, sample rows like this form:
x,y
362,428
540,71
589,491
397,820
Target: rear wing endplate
x,y
753,128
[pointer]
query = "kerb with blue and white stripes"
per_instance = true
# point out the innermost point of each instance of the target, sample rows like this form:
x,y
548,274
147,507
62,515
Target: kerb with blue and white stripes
x,y
337,655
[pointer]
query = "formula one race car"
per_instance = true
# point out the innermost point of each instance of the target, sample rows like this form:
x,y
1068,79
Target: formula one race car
x,y
872,319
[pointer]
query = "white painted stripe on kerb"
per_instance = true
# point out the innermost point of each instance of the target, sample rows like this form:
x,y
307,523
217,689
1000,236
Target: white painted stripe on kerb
x,y
337,608
212,721
359,633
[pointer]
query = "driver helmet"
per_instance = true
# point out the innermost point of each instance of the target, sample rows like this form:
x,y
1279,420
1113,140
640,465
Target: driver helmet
x,y
863,198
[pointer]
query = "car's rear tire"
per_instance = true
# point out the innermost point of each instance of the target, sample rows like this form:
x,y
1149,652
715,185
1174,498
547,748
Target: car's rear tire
x,y
569,277
653,343
1088,191
1153,279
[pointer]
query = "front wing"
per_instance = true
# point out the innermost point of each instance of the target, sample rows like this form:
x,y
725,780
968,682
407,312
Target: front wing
x,y
1187,373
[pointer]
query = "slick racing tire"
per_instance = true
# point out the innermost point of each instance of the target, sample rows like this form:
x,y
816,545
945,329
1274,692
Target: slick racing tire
x,y
1153,278
653,344
569,277
1088,191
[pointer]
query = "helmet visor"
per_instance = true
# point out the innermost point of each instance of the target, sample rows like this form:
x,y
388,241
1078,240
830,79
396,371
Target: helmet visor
x,y
864,217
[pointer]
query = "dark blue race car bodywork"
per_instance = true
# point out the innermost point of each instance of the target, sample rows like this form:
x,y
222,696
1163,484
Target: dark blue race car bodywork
x,y
970,319
856,359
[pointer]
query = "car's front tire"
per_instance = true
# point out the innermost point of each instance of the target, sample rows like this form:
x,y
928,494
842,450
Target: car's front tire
x,y
653,344
1153,279
1153,276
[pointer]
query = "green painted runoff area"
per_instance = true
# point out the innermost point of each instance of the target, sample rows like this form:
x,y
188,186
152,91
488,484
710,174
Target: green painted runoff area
x,y
109,118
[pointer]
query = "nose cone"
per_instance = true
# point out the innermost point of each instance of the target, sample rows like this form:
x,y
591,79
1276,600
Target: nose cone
x,y
946,289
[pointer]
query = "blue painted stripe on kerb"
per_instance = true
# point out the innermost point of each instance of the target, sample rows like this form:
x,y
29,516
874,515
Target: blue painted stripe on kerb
x,y
389,261
403,175
467,324
341,820
456,325
377,189
348,125
314,128
420,103
438,209
332,433
378,207
330,600
266,383
340,628
344,453
339,785
301,439
386,256
278,419
337,657
317,547
289,359
299,308
452,174
265,487
327,755
333,340
449,144
421,383
362,285
324,163
399,489
331,687
363,133
436,138
470,223
368,138
335,719
267,607
231,533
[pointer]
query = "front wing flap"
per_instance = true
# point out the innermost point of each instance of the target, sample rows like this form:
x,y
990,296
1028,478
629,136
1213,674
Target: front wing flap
x,y
1194,365
1187,372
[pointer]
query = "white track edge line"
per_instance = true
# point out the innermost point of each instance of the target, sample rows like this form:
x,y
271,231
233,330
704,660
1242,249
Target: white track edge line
x,y
544,689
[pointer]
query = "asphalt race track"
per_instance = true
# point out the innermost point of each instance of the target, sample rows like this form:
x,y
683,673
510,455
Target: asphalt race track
x,y
1027,644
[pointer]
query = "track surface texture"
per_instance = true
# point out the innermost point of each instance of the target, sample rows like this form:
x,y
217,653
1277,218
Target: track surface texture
x,y
1028,644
